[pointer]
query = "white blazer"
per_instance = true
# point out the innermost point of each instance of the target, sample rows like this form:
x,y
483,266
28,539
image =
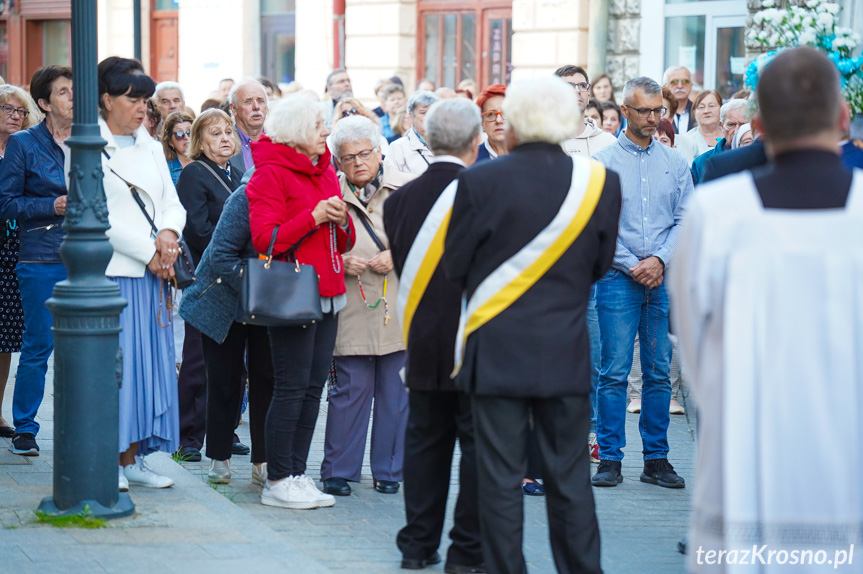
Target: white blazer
x,y
408,155
144,166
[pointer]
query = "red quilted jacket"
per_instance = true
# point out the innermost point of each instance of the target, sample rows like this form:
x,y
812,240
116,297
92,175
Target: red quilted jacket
x,y
283,191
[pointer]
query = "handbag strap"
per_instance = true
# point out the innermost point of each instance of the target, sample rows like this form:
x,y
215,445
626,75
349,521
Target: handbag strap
x,y
371,231
222,181
135,195
290,249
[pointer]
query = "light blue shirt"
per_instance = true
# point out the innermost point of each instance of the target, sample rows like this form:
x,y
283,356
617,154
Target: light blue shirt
x,y
655,183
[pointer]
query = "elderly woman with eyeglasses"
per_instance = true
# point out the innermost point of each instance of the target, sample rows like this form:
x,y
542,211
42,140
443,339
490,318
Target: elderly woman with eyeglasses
x,y
176,135
295,204
702,138
18,112
410,153
369,351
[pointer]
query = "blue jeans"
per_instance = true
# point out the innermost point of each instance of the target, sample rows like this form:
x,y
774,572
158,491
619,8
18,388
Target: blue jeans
x,y
625,307
593,335
36,282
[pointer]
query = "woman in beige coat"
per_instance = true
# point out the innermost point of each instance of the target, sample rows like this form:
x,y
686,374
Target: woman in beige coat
x,y
369,351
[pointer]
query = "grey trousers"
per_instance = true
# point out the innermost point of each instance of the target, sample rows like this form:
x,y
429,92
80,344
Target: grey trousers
x,y
359,379
635,373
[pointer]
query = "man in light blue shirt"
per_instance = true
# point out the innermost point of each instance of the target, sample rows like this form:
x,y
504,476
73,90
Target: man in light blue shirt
x,y
631,299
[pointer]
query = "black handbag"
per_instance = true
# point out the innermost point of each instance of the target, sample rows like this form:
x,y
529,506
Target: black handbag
x,y
276,293
184,269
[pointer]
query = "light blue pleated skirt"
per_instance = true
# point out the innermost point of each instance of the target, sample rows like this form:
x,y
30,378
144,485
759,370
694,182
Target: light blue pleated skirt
x,y
149,413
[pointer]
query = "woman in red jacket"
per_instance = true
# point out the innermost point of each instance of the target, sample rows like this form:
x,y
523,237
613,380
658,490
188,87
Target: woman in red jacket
x,y
295,188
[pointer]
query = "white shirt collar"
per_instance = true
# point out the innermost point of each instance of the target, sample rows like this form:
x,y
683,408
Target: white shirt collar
x,y
449,158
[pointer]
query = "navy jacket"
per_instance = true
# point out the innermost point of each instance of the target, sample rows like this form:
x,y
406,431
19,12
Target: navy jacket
x,y
698,163
210,303
734,161
31,178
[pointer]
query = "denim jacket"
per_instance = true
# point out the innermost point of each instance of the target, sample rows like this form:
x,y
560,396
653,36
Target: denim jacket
x,y
31,178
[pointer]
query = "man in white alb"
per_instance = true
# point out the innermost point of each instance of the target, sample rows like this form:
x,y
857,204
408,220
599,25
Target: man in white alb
x,y
767,289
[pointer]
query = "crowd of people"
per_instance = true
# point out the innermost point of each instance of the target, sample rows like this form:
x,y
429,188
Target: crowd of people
x,y
426,266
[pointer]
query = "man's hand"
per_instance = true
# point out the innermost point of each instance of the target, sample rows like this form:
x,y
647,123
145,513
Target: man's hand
x,y
60,205
649,272
382,263
354,265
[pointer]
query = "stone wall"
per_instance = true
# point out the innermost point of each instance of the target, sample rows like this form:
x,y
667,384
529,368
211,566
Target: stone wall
x,y
548,34
623,55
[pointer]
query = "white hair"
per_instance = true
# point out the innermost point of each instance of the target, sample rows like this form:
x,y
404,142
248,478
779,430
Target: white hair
x,y
421,98
732,105
169,86
671,70
293,120
452,125
544,109
353,129
741,131
245,82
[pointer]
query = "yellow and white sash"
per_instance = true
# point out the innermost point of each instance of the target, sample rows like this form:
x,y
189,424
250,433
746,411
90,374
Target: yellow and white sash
x,y
517,274
423,258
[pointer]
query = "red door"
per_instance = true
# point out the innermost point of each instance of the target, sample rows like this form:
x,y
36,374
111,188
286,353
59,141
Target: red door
x,y
164,40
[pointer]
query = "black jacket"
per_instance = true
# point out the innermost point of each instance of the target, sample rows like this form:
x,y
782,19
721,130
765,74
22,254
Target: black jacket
x,y
203,196
431,341
538,346
31,178
733,161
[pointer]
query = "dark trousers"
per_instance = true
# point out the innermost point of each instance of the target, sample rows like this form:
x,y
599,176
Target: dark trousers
x,y
435,420
301,361
226,382
359,379
561,423
192,385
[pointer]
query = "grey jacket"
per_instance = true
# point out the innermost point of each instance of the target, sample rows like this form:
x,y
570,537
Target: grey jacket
x,y
210,303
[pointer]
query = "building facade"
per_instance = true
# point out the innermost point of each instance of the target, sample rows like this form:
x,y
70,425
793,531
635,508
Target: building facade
x,y
199,42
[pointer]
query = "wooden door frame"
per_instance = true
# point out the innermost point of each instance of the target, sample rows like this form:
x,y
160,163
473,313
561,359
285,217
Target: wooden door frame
x,y
161,15
441,7
485,62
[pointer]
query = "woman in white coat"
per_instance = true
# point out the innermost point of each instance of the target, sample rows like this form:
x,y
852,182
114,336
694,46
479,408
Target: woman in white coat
x,y
142,265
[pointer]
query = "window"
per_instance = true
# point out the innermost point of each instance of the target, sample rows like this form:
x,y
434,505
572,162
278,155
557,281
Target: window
x,y
684,45
56,43
278,40
465,40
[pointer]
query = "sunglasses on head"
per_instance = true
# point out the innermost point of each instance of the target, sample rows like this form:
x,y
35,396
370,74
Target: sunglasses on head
x,y
181,135
350,112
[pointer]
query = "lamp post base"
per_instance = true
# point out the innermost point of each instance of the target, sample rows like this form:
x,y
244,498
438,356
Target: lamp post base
x,y
124,507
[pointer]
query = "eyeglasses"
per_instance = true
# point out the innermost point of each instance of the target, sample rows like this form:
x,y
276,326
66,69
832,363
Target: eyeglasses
x,y
644,113
363,156
350,112
581,86
491,116
9,110
679,82
181,135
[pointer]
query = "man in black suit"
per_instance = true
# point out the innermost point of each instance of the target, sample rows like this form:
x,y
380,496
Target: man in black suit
x,y
734,161
527,355
438,412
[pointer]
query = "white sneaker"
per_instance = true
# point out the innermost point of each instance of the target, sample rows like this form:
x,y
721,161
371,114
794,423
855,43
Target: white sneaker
x,y
324,500
140,474
259,477
288,493
124,482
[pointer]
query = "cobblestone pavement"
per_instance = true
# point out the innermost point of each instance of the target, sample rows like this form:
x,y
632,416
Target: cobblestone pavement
x,y
190,528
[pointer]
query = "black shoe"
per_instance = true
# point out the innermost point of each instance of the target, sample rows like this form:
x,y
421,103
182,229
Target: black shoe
x,y
7,432
187,454
420,563
681,546
463,569
24,444
608,474
387,487
240,448
337,486
659,471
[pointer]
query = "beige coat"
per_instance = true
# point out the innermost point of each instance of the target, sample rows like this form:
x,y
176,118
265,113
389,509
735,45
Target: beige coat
x,y
362,330
408,155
